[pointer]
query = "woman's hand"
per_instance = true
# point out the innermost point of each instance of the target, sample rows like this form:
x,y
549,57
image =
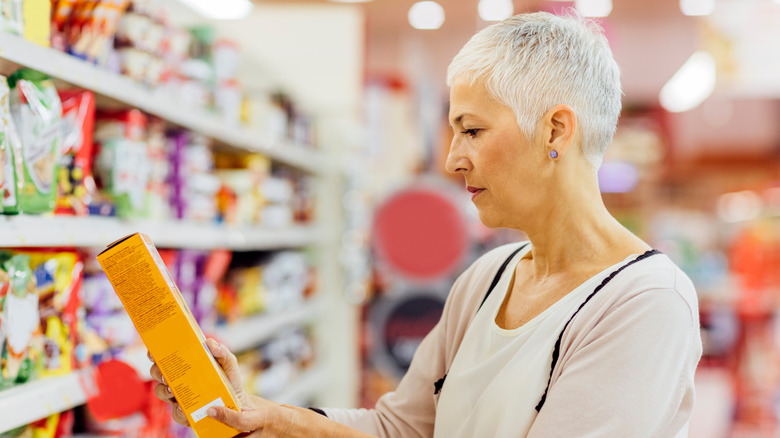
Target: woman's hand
x,y
226,360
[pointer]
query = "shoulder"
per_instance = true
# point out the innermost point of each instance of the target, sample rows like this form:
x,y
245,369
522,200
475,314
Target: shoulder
x,y
655,276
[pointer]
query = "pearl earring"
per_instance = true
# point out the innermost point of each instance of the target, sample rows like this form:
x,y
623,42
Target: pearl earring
x,y
553,154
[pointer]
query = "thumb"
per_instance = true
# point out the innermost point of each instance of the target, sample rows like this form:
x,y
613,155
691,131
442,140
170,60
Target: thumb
x,y
244,421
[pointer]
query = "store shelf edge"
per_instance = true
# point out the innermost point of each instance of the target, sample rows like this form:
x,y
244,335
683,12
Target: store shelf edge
x,y
39,399
97,232
77,72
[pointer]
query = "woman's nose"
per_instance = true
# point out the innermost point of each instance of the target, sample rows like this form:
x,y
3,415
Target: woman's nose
x,y
457,161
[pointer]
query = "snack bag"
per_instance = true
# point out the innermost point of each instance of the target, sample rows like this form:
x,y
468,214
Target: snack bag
x,y
37,115
75,166
21,351
10,152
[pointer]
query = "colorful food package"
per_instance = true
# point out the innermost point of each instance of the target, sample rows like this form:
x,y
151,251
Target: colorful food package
x,y
169,331
10,152
93,27
36,15
194,184
58,278
122,164
75,167
158,189
20,355
37,115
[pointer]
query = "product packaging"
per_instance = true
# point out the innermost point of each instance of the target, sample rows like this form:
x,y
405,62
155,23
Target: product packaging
x,y
122,163
21,351
169,331
10,152
75,167
37,115
36,15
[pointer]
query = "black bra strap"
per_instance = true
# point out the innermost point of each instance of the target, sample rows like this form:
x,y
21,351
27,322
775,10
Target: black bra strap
x,y
501,270
557,350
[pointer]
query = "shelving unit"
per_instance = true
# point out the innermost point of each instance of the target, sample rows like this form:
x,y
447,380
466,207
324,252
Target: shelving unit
x,y
93,231
254,330
35,400
22,53
302,389
30,402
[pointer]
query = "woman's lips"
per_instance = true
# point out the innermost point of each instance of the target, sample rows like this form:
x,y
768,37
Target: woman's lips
x,y
474,191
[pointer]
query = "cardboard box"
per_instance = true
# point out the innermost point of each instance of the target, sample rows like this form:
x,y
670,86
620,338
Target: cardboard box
x,y
169,331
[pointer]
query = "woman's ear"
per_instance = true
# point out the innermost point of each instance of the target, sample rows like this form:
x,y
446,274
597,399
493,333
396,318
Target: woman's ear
x,y
559,130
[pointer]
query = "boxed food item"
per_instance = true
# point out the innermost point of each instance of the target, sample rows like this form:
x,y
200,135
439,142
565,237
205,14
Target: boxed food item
x,y
168,328
36,15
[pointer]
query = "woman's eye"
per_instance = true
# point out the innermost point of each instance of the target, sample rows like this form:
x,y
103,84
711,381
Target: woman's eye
x,y
470,132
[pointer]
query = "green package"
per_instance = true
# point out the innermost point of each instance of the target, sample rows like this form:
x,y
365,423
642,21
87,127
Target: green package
x,y
37,116
19,357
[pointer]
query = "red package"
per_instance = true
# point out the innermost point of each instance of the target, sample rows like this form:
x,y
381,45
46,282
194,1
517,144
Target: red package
x,y
78,116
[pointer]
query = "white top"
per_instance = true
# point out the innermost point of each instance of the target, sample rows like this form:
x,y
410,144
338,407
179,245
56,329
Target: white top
x,y
498,375
626,365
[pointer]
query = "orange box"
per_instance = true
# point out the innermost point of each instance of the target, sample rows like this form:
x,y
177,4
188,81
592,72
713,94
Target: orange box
x,y
169,331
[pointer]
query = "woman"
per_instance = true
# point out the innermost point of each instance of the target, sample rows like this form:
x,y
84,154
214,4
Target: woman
x,y
584,330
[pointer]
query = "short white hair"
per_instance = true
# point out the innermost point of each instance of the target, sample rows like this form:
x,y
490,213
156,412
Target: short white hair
x,y
532,62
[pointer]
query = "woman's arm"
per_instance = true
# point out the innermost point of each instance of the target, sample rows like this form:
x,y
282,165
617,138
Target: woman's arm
x,y
631,375
257,415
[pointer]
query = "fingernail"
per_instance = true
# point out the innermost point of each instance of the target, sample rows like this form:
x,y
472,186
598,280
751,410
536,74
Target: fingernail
x,y
162,379
168,388
212,412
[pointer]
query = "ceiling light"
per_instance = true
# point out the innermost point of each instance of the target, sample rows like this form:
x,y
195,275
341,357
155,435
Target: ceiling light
x,y
426,15
495,10
691,85
697,7
220,10
594,8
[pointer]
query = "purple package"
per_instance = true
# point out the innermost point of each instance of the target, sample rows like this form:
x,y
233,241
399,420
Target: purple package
x,y
177,144
190,266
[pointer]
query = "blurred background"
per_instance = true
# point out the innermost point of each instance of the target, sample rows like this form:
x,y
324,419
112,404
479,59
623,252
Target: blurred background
x,y
287,158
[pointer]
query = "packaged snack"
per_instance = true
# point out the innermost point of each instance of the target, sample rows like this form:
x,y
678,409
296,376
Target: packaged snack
x,y
169,331
122,164
91,37
36,15
20,354
37,115
75,167
10,153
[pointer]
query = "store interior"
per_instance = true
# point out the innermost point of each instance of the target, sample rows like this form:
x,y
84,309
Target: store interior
x,y
286,158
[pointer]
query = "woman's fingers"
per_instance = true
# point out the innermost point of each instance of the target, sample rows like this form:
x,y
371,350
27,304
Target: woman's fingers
x,y
154,371
246,421
163,392
178,415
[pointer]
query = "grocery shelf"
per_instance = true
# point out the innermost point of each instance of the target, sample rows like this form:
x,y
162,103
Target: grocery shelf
x,y
32,401
69,69
95,231
254,330
304,388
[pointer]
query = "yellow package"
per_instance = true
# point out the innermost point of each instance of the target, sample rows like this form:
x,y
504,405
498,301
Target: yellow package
x,y
169,330
36,21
